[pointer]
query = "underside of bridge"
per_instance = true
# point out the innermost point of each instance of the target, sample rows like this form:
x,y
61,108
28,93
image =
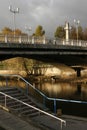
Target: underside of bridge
x,y
65,59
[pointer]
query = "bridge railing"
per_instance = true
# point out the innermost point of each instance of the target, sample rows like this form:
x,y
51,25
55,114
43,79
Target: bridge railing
x,y
71,42
19,39
23,39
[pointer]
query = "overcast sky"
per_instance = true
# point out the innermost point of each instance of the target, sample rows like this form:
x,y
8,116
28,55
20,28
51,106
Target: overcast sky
x,y
48,13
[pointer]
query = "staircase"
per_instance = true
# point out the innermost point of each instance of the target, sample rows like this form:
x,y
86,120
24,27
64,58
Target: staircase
x,y
15,106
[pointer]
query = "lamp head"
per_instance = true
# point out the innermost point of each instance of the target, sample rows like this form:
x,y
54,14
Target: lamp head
x,y
18,10
10,7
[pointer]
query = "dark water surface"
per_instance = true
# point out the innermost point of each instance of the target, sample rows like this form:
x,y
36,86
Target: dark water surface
x,y
67,91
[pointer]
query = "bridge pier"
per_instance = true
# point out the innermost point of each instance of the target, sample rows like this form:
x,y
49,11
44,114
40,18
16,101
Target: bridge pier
x,y
78,70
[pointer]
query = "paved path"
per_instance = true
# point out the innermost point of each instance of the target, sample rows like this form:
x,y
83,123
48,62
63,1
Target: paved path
x,y
73,123
11,122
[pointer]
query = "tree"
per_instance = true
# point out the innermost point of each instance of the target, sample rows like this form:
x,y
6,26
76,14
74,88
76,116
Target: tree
x,y
60,32
18,32
39,31
73,33
6,30
85,34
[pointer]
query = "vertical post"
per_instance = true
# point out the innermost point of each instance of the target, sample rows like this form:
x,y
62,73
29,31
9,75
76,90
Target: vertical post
x,y
44,40
27,90
32,40
28,29
61,125
67,31
5,100
6,82
20,40
6,39
44,102
54,106
14,11
77,25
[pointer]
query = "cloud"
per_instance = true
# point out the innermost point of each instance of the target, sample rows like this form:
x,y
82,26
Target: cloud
x,y
48,13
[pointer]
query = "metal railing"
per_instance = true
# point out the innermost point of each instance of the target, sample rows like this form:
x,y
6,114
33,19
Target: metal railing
x,y
35,108
19,39
42,94
39,92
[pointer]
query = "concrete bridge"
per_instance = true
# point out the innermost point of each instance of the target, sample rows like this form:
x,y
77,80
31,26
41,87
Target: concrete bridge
x,y
59,50
68,52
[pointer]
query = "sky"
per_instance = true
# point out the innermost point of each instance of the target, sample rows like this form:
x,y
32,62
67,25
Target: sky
x,y
48,13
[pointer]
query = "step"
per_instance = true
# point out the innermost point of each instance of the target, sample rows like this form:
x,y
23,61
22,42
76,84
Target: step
x,y
13,104
29,111
17,107
11,92
22,108
7,89
33,114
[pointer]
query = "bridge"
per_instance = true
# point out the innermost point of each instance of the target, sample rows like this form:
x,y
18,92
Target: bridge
x,y
69,52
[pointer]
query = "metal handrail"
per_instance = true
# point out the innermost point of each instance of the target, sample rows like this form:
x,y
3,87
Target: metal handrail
x,y
35,108
42,94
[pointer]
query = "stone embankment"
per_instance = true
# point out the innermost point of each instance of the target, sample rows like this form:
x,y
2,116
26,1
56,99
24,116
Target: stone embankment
x,y
72,80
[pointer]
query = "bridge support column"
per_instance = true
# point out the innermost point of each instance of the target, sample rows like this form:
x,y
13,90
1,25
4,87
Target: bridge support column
x,y
78,71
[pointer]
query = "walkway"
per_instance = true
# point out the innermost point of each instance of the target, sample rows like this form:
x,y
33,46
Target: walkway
x,y
11,122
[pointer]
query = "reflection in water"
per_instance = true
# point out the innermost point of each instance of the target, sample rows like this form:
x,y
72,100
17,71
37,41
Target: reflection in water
x,y
58,90
63,90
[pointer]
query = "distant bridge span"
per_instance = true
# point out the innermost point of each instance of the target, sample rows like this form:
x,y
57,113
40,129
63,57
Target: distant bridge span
x,y
56,50
66,54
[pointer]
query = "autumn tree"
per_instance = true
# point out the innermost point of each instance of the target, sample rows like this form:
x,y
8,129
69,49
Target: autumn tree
x,y
18,32
85,34
73,33
6,31
39,31
60,32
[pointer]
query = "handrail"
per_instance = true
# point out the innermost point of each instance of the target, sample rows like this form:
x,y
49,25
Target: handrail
x,y
42,94
48,114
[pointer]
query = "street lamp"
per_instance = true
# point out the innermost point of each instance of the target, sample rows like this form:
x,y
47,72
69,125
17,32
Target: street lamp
x,y
77,24
28,29
14,11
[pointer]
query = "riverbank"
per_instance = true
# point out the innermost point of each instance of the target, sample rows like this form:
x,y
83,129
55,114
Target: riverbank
x,y
58,79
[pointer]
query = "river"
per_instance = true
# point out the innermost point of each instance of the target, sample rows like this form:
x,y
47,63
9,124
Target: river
x,y
58,90
67,91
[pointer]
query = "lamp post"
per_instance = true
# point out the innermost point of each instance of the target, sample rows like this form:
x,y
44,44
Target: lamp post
x,y
28,29
14,11
77,22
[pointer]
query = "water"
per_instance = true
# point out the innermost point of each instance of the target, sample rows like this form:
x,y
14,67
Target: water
x,y
66,91
63,90
58,90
